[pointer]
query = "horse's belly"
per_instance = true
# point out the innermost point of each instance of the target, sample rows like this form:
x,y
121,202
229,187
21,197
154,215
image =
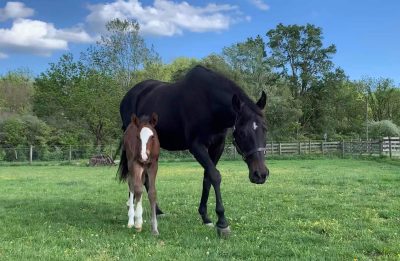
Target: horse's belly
x,y
172,141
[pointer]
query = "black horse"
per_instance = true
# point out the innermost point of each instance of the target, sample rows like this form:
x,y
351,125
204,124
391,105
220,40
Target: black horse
x,y
195,114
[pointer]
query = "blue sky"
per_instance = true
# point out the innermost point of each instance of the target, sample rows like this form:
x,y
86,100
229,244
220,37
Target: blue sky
x,y
34,33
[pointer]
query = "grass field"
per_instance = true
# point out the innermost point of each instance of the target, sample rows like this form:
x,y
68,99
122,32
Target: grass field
x,y
309,209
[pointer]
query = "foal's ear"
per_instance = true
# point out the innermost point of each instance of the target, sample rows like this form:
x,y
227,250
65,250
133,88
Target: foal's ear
x,y
262,101
154,119
135,120
237,103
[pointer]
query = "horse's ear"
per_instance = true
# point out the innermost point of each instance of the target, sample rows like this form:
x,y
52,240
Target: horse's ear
x,y
262,101
135,120
237,103
154,119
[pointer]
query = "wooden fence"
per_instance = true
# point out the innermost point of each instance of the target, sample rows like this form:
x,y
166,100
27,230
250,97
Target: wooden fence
x,y
388,146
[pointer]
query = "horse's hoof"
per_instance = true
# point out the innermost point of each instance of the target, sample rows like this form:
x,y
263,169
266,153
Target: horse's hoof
x,y
155,233
138,229
209,224
130,225
223,232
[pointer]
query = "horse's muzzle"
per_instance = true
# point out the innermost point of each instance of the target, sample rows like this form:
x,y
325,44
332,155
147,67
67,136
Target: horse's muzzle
x,y
259,177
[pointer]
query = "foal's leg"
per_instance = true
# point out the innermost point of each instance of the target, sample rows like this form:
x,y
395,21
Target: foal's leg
x,y
199,151
152,173
146,184
131,210
215,152
138,189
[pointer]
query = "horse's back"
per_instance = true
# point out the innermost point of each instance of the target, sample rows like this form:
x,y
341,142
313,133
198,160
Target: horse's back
x,y
162,98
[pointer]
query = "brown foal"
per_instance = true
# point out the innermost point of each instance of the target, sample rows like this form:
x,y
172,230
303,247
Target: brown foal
x,y
142,150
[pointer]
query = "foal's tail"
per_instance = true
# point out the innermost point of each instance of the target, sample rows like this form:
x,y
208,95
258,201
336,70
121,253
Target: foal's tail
x,y
123,164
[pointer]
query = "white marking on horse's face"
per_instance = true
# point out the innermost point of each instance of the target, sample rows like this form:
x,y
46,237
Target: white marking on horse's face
x,y
145,135
255,126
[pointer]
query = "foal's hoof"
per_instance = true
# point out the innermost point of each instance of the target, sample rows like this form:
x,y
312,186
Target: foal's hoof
x,y
138,229
223,232
155,233
130,225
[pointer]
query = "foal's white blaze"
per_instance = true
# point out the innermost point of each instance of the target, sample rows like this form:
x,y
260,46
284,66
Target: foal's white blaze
x,y
131,211
145,135
255,126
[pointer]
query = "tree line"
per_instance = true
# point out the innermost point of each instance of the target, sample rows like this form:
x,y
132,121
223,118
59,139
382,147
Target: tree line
x,y
76,100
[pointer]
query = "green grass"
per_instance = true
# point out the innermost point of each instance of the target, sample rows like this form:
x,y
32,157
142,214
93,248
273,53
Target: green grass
x,y
310,209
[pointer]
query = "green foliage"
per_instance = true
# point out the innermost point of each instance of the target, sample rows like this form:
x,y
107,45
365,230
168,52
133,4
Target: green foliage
x,y
299,54
16,88
122,51
24,130
13,132
384,128
72,96
383,98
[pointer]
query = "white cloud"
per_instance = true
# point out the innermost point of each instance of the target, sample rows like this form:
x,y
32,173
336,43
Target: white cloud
x,y
165,17
37,37
260,4
3,56
14,10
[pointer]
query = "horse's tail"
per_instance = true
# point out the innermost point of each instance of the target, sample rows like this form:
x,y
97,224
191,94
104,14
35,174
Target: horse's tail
x,y
118,150
123,170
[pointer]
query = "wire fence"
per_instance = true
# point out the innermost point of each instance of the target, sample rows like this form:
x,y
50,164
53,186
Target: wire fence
x,y
385,147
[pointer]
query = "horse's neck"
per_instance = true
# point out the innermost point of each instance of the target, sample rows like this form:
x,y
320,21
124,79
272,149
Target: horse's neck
x,y
223,109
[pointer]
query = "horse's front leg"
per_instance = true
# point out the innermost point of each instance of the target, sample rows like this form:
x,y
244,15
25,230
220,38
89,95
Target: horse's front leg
x,y
152,173
138,190
214,151
199,151
131,210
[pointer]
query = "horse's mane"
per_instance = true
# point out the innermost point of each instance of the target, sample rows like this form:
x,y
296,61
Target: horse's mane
x,y
224,81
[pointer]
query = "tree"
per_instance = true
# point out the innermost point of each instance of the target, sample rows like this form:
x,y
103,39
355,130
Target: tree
x,y
250,60
334,106
122,52
77,100
297,51
383,99
16,89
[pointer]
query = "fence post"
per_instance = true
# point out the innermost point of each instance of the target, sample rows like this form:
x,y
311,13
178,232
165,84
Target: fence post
x,y
299,148
309,146
234,152
390,147
30,154
351,147
70,153
342,148
322,147
280,149
381,141
272,148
